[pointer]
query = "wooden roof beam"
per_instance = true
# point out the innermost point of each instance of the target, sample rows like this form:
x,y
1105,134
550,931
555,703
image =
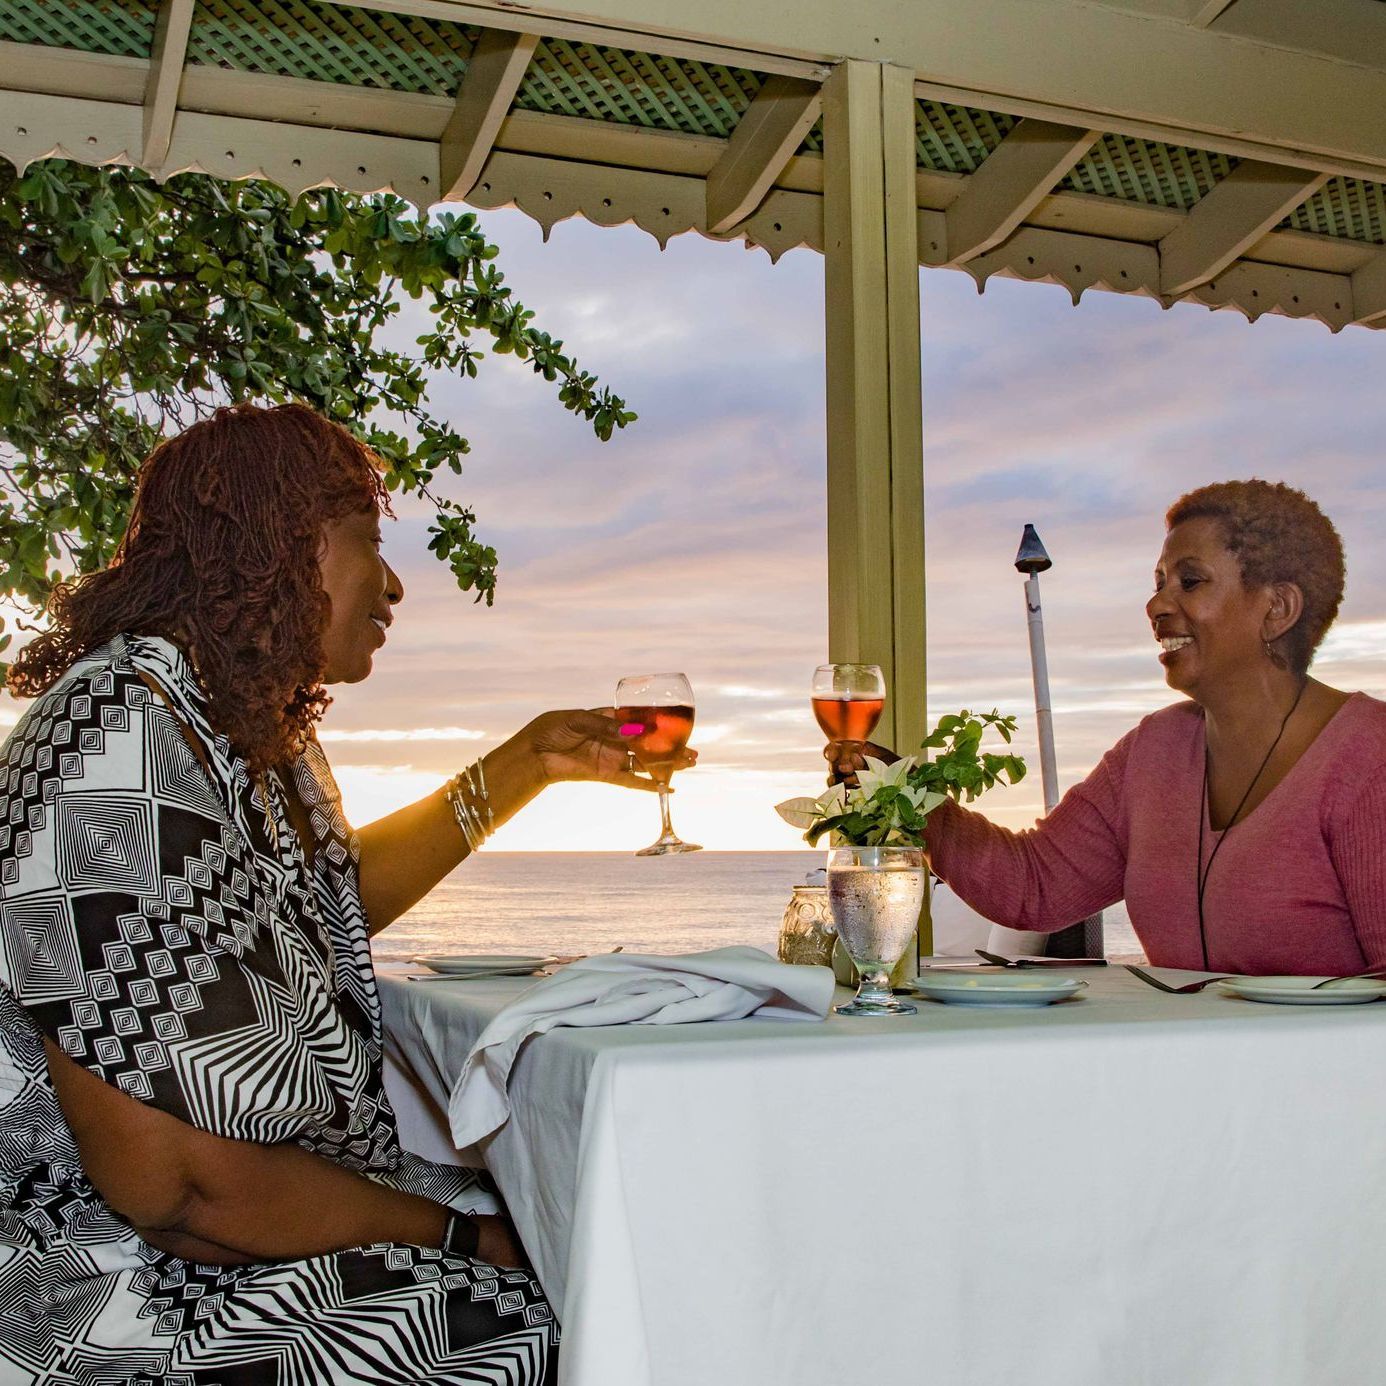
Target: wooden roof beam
x,y
166,60
1252,199
782,113
493,76
1014,179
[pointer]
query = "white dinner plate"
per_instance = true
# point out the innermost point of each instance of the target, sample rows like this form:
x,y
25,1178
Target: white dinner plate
x,y
997,988
1299,991
484,965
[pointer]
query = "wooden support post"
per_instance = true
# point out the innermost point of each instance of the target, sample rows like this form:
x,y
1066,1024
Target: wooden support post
x,y
875,433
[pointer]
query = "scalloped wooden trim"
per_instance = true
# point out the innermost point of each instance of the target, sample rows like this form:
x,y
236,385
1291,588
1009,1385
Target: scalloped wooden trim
x,y
62,127
1254,289
297,157
663,205
1078,263
1081,263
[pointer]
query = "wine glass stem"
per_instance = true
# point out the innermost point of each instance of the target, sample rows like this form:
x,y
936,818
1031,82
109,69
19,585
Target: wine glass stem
x,y
667,828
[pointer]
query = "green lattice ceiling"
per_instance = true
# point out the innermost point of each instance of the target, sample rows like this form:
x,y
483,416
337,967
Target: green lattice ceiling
x,y
121,27
1344,207
1159,175
629,88
344,44
956,139
331,43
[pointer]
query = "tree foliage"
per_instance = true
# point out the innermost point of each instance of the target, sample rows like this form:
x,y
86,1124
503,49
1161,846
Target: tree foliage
x,y
129,308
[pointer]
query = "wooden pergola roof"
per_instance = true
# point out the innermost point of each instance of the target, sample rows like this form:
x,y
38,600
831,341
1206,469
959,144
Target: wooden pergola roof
x,y
614,120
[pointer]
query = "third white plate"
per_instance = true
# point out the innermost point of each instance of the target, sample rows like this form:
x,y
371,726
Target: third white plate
x,y
997,988
1299,991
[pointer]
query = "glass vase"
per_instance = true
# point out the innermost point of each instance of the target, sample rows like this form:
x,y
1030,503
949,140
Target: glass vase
x,y
876,894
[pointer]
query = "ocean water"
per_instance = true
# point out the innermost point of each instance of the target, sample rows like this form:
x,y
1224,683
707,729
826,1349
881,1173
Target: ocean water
x,y
591,902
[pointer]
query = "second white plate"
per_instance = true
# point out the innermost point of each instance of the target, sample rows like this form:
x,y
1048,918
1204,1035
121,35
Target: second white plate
x,y
484,965
997,988
1299,991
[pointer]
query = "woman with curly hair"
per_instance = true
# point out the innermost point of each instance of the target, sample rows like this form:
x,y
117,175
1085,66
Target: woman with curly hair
x,y
1244,827
200,1176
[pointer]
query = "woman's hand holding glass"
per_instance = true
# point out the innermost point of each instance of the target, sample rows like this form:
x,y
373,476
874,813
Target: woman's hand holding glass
x,y
845,758
587,745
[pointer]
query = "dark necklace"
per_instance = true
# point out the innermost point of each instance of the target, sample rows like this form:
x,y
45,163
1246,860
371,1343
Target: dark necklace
x,y
1201,873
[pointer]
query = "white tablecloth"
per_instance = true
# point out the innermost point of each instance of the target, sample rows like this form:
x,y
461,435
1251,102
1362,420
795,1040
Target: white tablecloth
x,y
1129,1190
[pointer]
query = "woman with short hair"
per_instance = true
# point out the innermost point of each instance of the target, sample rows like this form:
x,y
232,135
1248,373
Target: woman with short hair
x,y
200,1175
1245,826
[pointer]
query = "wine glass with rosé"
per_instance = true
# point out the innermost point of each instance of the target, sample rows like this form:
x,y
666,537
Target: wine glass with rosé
x,y
847,701
656,716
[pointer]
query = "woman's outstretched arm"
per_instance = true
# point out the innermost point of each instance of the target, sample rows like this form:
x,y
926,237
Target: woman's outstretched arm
x,y
405,854
1044,878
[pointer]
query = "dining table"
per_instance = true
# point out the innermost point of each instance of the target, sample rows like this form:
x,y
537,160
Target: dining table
x,y
1127,1188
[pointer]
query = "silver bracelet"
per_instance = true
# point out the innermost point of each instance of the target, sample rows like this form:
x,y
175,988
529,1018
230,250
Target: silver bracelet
x,y
476,819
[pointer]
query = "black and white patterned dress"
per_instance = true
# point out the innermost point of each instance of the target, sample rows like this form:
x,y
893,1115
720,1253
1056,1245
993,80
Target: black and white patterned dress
x,y
167,932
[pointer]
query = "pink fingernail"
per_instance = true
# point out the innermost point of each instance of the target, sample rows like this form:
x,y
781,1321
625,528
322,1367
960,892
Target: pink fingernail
x,y
632,728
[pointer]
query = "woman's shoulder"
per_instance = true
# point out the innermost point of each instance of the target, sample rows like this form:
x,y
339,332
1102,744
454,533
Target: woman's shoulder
x,y
1159,746
1366,717
94,691
1158,733
1181,719
96,670
1355,739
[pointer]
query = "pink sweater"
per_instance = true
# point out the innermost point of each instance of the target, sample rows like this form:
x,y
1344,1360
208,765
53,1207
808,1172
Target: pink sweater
x,y
1299,886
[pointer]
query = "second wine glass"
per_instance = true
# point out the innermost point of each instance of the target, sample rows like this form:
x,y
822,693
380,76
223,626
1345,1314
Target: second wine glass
x,y
656,716
847,701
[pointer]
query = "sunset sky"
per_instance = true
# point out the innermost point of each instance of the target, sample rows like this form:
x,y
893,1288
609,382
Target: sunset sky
x,y
695,540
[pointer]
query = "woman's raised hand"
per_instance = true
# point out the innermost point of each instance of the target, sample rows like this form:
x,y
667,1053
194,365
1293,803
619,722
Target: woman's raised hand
x,y
845,758
588,745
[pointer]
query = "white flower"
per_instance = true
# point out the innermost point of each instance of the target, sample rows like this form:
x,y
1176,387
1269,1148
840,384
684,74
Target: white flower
x,y
839,799
878,774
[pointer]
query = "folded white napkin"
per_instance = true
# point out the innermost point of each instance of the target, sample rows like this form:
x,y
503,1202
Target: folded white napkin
x,y
629,989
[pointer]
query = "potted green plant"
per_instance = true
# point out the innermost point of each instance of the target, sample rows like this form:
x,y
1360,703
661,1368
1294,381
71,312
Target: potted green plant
x,y
889,804
876,832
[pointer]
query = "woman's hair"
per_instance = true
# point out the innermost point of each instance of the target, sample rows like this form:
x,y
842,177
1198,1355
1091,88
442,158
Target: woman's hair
x,y
221,555
1278,535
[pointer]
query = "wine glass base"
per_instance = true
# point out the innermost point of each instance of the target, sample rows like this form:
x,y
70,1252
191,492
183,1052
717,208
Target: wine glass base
x,y
891,1007
667,847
